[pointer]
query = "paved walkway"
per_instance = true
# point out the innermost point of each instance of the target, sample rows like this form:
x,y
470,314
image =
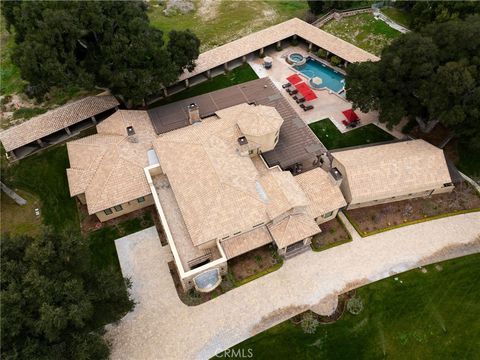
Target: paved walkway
x,y
162,327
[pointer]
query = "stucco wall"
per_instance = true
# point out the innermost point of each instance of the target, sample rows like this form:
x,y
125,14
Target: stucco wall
x,y
266,142
128,207
399,198
321,219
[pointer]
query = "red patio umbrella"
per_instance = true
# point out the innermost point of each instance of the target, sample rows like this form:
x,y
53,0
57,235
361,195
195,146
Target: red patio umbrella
x,y
307,93
293,79
350,115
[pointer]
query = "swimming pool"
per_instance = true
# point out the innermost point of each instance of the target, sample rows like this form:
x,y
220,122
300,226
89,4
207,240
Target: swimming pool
x,y
331,79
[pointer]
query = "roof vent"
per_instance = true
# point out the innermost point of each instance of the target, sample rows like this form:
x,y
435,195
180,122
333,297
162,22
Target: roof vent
x,y
335,176
130,131
193,113
242,140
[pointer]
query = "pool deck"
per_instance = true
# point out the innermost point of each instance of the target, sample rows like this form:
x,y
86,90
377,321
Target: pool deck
x,y
327,105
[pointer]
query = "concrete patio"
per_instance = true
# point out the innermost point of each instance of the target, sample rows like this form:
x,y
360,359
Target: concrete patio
x,y
327,105
162,327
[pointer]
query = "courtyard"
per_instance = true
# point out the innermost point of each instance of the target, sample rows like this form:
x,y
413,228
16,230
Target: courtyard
x,y
328,104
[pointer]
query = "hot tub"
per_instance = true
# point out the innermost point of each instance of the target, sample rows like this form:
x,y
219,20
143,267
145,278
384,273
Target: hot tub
x,y
296,59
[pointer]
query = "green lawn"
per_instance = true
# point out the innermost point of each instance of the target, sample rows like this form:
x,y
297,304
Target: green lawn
x,y
332,138
44,175
432,315
398,15
238,75
224,21
10,81
363,31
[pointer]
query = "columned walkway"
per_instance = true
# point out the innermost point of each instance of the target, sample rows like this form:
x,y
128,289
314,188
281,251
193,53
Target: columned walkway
x,y
162,327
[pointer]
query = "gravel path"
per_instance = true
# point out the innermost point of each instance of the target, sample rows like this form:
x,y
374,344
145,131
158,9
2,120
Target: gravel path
x,y
162,327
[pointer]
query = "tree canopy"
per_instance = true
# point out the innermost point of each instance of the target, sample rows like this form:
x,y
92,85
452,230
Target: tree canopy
x,y
105,43
427,12
433,75
323,6
51,295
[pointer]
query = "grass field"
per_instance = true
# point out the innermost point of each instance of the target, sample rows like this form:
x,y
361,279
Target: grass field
x,y
238,75
363,31
18,220
218,22
432,315
44,176
10,81
332,138
399,16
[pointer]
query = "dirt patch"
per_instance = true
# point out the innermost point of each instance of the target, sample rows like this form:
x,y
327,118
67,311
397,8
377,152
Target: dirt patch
x,y
277,316
452,251
208,9
336,315
253,262
368,219
333,233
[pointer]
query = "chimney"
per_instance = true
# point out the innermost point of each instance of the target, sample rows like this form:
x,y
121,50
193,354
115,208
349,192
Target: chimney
x,y
325,162
193,113
335,176
131,135
243,146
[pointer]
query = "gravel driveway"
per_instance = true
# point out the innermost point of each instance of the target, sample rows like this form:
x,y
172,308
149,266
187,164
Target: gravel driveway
x,y
162,327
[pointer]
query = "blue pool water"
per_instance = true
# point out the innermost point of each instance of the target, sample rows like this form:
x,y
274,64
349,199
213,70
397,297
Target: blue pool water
x,y
331,79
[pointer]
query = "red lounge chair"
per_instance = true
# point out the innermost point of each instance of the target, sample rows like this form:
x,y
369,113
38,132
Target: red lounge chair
x,y
294,79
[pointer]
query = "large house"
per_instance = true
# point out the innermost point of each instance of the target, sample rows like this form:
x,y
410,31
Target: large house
x,y
231,170
218,199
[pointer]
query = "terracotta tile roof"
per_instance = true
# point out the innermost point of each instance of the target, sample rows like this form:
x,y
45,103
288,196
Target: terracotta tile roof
x,y
297,142
108,166
216,188
282,187
292,229
252,120
383,171
219,192
322,194
55,120
245,242
253,42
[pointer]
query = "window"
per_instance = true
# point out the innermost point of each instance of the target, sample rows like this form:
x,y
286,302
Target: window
x,y
327,215
108,211
118,208
239,232
141,199
258,225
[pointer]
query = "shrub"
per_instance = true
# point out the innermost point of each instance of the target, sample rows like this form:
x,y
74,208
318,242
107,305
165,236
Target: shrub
x,y
335,60
309,323
321,53
278,47
294,41
355,306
